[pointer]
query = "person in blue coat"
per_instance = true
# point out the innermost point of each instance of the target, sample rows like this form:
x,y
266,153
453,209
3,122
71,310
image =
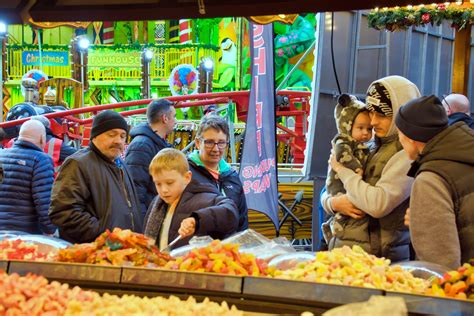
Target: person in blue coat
x,y
147,140
25,191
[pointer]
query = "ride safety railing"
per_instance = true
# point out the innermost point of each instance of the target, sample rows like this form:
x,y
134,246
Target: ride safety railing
x,y
75,121
106,62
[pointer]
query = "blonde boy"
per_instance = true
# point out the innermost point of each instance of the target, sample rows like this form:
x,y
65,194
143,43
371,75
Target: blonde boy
x,y
184,207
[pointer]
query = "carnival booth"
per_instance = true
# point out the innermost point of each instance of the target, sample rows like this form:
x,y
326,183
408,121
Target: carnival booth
x,y
255,272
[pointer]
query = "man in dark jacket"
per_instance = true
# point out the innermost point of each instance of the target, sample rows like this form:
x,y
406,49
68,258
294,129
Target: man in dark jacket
x,y
442,196
208,166
25,191
94,190
458,108
147,140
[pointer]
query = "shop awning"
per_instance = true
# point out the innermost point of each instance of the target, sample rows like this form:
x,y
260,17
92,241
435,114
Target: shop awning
x,y
19,11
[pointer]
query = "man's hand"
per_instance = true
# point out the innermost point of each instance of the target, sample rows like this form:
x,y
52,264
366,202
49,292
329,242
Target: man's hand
x,y
342,205
407,218
335,165
188,227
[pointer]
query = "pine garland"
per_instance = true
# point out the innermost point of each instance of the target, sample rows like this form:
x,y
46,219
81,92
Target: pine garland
x,y
115,47
396,19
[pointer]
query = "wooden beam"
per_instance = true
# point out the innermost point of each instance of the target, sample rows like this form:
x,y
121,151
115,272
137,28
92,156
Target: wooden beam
x,y
462,55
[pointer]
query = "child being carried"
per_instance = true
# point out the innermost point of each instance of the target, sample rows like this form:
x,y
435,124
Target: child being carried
x,y
350,149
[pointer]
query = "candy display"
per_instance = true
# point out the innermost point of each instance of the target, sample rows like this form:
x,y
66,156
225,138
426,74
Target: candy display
x,y
220,258
119,247
456,284
355,267
17,249
133,305
33,295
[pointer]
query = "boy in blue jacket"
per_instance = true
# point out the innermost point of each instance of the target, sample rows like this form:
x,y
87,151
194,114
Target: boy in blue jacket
x,y
184,207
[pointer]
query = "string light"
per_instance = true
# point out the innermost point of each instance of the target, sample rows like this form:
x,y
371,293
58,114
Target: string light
x,y
422,6
385,9
409,7
447,3
459,2
376,9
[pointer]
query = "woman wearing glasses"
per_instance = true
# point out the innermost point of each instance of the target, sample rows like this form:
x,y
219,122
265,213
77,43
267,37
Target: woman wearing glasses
x,y
208,166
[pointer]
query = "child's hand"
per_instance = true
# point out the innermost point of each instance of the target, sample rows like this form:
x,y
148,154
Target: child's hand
x,y
188,227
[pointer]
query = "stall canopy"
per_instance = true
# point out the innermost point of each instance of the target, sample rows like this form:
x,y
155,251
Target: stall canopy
x,y
20,11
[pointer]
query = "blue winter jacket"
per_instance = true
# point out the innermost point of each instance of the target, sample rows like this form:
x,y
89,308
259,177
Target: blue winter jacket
x,y
25,192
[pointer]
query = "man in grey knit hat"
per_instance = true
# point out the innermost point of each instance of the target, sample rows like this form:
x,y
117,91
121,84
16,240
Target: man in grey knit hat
x,y
442,196
94,190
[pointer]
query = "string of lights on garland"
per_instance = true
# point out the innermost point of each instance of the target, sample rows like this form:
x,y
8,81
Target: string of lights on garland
x,y
402,18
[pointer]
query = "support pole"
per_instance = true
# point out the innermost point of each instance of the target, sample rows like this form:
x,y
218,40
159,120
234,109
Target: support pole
x,y
462,54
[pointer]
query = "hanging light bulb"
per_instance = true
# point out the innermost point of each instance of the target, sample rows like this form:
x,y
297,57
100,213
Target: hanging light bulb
x,y
409,7
376,9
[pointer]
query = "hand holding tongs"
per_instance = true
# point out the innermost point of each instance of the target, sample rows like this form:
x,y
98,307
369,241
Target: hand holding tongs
x,y
171,244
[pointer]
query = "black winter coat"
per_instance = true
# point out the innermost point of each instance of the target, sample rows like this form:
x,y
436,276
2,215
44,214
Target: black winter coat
x,y
215,215
229,185
144,146
92,194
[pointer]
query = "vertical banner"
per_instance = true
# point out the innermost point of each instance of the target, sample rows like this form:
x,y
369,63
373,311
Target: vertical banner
x,y
258,171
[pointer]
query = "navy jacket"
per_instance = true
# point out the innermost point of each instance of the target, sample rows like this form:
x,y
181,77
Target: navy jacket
x,y
228,185
92,194
215,215
144,146
461,117
25,192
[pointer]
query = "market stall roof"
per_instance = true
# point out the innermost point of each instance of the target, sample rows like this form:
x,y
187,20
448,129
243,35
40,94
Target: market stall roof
x,y
20,11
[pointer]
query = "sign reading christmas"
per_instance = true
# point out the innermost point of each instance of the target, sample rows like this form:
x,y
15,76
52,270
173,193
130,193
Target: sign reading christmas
x,y
258,170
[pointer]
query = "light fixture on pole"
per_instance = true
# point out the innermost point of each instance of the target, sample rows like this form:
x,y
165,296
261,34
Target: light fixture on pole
x,y
147,58
83,44
3,34
206,73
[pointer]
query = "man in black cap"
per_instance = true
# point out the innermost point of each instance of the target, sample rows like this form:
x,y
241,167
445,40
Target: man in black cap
x,y
442,196
94,191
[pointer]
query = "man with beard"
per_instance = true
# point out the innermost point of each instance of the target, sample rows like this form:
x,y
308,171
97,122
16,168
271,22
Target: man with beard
x,y
94,191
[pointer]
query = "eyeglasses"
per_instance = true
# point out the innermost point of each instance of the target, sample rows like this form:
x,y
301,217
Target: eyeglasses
x,y
209,143
446,101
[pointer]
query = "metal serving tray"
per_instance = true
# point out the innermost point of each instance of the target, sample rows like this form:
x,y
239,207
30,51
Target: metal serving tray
x,y
68,271
182,280
4,265
309,292
424,304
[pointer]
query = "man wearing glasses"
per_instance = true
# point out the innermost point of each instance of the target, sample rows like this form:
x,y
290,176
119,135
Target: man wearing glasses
x,y
458,108
208,166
